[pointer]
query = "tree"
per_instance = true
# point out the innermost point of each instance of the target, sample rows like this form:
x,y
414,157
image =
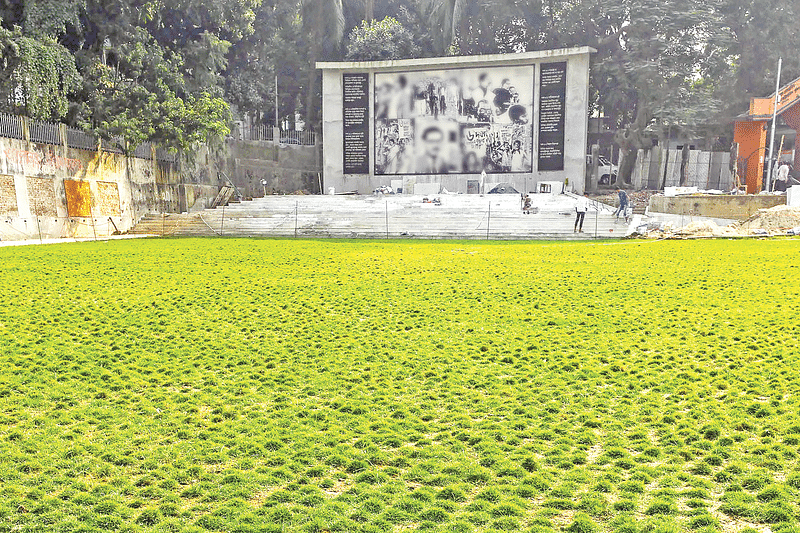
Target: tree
x,y
275,48
742,55
444,16
37,73
381,40
647,72
142,96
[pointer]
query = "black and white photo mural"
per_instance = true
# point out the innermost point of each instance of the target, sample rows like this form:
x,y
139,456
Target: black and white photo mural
x,y
454,121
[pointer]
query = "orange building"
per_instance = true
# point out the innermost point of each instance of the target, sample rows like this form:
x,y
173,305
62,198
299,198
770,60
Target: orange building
x,y
750,132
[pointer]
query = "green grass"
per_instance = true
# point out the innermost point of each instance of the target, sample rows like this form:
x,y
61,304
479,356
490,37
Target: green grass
x,y
321,386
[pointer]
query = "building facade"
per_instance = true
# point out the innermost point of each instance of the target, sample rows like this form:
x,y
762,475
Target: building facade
x,y
459,124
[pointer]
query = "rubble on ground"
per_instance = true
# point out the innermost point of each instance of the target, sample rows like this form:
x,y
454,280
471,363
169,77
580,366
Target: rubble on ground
x,y
775,221
637,198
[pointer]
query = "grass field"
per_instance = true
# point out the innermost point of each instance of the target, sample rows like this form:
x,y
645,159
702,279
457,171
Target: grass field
x,y
244,386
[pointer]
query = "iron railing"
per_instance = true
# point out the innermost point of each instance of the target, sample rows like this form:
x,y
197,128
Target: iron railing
x,y
44,132
305,138
16,127
81,139
11,126
263,132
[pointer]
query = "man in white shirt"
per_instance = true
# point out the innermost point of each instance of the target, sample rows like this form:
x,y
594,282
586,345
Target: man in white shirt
x,y
783,177
580,208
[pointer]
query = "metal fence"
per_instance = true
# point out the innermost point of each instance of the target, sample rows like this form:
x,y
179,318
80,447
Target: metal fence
x,y
44,132
11,126
305,138
263,132
259,133
80,139
16,127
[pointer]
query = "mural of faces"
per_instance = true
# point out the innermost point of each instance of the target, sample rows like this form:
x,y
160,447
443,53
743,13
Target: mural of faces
x,y
454,121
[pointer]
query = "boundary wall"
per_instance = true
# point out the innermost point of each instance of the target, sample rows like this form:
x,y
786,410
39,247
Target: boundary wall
x,y
656,169
57,182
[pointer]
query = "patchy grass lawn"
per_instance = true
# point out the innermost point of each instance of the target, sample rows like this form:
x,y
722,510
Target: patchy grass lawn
x,y
259,386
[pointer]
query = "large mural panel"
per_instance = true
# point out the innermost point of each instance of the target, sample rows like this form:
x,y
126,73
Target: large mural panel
x,y
454,121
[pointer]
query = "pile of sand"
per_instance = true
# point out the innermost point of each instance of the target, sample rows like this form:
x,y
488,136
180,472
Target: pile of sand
x,y
776,219
710,229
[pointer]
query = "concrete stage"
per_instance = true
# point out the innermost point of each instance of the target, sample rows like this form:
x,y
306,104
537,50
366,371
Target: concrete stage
x,y
459,216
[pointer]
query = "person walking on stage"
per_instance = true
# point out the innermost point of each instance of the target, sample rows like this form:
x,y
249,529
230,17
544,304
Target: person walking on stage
x,y
623,203
580,208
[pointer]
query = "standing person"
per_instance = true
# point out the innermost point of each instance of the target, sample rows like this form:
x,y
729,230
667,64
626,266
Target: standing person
x,y
783,177
580,208
623,203
518,158
483,179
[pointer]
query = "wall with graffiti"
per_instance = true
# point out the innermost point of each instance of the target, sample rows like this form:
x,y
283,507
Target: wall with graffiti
x,y
53,191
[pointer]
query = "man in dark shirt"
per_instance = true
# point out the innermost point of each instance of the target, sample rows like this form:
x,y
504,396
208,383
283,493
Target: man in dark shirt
x,y
623,203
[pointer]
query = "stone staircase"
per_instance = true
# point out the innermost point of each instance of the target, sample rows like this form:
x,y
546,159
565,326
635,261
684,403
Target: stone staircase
x,y
392,216
172,224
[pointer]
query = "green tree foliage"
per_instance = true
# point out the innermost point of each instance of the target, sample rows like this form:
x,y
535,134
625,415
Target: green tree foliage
x,y
142,96
646,76
37,72
742,55
275,48
146,70
38,75
142,68
380,40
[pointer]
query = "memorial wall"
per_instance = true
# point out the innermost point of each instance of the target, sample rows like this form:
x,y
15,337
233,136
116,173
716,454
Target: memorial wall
x,y
420,124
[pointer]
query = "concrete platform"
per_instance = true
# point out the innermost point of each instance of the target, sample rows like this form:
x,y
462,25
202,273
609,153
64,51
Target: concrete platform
x,y
393,216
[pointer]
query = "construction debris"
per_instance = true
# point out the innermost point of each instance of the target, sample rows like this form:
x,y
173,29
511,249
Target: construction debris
x,y
780,219
637,198
776,221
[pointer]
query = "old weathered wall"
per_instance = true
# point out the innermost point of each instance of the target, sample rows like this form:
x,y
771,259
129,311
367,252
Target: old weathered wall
x,y
54,191
286,168
734,207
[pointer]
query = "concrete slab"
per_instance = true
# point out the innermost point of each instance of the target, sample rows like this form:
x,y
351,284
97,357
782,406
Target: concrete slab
x,y
455,216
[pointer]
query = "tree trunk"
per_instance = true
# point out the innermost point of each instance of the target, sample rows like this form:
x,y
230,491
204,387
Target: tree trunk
x,y
369,10
626,164
630,140
315,53
684,165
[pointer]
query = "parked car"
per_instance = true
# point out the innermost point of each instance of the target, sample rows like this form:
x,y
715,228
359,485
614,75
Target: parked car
x,y
608,170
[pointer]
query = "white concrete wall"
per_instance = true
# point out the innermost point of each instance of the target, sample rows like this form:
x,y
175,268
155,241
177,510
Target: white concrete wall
x,y
576,121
